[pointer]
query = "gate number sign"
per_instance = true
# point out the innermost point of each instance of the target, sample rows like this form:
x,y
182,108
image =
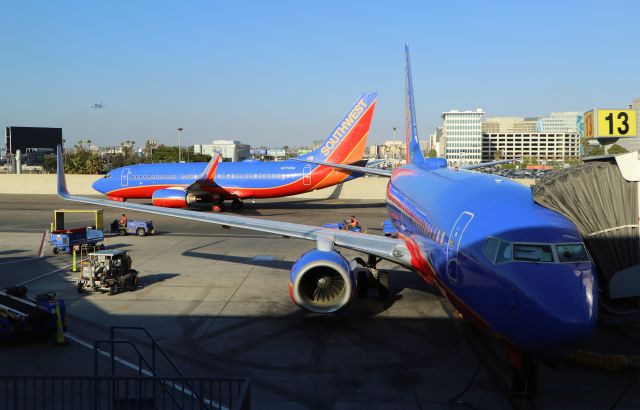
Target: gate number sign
x,y
605,123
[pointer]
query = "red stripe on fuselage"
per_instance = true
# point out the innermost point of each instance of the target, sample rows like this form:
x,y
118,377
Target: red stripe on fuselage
x,y
142,191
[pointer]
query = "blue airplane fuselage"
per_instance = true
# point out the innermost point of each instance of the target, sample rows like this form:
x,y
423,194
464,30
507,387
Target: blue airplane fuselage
x,y
518,281
254,179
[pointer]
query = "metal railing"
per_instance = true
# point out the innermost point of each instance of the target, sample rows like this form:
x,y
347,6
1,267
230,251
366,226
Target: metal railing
x,y
144,367
120,393
155,346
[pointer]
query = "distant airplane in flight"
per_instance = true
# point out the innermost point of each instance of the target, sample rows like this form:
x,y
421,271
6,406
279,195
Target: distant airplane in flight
x,y
97,105
178,185
517,270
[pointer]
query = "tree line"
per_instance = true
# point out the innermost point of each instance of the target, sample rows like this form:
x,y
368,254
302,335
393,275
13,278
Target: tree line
x,y
84,161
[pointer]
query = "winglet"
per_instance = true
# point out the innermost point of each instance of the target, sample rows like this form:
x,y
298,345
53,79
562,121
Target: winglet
x,y
413,154
62,182
210,171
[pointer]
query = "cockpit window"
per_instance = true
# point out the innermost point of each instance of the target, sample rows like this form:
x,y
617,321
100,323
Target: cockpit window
x,y
490,248
526,252
504,252
572,252
106,176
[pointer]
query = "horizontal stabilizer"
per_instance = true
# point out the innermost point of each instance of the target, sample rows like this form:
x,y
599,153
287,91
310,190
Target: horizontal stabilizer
x,y
354,168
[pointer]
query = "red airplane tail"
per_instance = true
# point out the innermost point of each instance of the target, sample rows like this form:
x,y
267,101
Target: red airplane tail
x,y
346,143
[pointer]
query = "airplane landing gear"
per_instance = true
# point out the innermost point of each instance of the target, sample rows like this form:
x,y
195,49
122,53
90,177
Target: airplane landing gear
x,y
237,204
369,277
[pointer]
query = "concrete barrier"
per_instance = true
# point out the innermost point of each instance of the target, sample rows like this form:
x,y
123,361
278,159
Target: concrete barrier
x,y
45,184
361,188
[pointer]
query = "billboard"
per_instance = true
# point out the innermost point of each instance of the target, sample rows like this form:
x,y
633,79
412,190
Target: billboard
x,y
610,123
21,138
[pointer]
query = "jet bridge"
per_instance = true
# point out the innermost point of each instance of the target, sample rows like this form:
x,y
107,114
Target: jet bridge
x,y
601,198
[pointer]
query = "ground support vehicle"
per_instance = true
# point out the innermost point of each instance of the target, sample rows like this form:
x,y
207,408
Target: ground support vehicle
x,y
22,317
140,228
344,225
388,229
65,240
107,271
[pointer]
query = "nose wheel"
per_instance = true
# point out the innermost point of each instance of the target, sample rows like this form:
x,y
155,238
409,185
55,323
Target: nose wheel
x,y
369,277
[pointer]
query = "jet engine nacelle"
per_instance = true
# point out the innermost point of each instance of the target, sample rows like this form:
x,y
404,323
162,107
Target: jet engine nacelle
x,y
170,198
321,281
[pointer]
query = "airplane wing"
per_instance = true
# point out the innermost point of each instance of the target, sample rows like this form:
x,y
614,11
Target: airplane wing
x,y
488,164
206,182
387,173
394,250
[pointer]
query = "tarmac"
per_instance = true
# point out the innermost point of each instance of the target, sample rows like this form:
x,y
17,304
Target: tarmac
x,y
217,301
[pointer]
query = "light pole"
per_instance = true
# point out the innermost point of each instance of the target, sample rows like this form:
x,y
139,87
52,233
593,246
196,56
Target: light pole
x,y
179,135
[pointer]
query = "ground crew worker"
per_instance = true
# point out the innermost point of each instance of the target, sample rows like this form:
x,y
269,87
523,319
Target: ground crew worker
x,y
354,222
124,220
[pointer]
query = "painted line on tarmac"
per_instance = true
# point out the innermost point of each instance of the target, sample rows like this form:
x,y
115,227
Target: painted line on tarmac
x,y
46,274
20,260
147,373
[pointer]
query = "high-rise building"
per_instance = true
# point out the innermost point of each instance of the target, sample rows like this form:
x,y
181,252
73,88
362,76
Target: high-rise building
x,y
462,131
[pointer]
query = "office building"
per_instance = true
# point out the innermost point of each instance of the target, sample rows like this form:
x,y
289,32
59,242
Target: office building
x,y
229,150
500,124
560,122
462,133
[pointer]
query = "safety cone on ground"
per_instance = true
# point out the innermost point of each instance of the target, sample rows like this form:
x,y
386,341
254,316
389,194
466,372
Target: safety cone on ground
x,y
59,329
74,267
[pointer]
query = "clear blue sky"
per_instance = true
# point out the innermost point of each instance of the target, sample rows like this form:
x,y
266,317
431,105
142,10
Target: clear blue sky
x,y
284,72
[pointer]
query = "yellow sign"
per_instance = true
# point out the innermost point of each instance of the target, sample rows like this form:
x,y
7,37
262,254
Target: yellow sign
x,y
605,123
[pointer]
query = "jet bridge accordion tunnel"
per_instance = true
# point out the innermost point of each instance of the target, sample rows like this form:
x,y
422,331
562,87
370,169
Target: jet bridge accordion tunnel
x,y
601,198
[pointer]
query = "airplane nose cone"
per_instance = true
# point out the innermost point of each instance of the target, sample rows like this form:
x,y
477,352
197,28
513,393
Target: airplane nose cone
x,y
98,185
561,308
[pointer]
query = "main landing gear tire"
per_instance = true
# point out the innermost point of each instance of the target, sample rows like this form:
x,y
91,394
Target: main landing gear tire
x,y
219,207
383,285
362,283
368,277
237,204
